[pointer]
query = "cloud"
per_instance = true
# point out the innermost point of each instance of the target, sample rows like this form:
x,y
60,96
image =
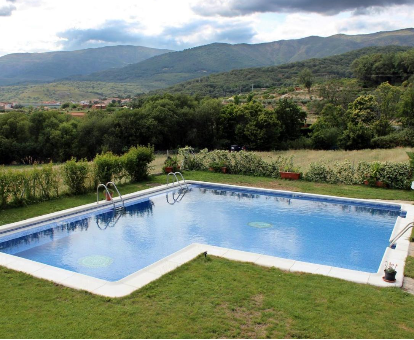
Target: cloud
x,y
6,8
231,8
172,37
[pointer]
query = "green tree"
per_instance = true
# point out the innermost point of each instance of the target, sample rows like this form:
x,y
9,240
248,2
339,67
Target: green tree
x,y
306,78
387,97
257,127
291,119
406,110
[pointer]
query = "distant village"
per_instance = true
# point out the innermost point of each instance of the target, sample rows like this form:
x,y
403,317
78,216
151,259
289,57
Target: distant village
x,y
93,104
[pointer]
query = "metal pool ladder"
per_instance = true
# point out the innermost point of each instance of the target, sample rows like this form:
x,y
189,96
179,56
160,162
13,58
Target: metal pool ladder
x,y
176,180
116,209
401,233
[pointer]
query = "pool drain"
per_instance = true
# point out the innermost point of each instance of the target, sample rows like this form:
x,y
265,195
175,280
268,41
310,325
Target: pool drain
x,y
260,225
96,261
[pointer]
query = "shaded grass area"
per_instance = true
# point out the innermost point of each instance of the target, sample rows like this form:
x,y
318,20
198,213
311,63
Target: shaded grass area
x,y
208,298
354,191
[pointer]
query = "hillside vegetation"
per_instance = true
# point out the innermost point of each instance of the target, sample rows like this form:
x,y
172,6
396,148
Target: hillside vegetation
x,y
43,67
236,81
194,63
67,91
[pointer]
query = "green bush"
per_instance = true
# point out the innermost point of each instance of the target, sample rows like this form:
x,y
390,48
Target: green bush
x,y
107,167
22,187
136,162
394,175
241,163
395,139
75,175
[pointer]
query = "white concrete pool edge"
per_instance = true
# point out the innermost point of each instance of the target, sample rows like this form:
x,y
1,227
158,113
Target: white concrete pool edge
x,y
146,275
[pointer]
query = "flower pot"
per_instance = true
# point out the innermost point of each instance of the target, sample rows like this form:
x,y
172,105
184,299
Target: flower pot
x,y
108,196
389,277
289,175
380,184
224,170
210,169
366,182
168,169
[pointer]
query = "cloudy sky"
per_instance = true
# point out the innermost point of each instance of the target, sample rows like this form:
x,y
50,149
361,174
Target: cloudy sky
x,y
50,25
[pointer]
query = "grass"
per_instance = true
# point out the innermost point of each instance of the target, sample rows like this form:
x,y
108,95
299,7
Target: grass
x,y
209,298
409,267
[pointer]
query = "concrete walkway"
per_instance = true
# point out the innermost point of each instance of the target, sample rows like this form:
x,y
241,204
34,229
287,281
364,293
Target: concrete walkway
x,y
408,283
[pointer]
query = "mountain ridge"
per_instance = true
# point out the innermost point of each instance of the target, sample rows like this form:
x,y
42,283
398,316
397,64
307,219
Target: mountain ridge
x,y
175,67
49,66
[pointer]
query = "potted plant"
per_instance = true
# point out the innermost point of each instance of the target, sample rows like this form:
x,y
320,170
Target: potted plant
x,y
218,167
390,271
290,172
373,178
171,164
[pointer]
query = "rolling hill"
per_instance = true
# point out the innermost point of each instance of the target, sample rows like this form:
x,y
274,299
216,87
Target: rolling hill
x,y
236,81
45,67
172,68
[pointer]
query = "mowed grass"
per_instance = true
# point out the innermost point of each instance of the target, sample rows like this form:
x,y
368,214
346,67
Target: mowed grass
x,y
208,298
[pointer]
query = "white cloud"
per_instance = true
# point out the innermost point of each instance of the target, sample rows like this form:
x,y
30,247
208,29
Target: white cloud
x,y
47,25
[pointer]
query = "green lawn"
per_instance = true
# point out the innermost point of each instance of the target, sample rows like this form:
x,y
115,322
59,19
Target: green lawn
x,y
208,298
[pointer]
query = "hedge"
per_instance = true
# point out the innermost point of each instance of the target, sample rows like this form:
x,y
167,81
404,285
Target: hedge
x,y
41,183
393,175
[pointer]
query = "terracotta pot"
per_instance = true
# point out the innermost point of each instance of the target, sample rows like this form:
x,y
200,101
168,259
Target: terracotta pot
x,y
108,197
210,169
224,170
380,184
366,182
289,175
168,169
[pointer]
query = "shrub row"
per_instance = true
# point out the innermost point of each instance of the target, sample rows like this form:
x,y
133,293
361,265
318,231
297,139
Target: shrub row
x,y
241,163
393,175
18,187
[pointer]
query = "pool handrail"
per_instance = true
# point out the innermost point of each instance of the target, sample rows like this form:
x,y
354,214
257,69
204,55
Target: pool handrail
x,y
119,194
107,191
401,233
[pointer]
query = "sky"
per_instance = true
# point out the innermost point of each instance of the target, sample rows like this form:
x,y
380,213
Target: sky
x,y
65,25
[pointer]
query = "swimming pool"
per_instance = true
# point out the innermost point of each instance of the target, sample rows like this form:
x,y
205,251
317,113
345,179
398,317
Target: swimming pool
x,y
293,231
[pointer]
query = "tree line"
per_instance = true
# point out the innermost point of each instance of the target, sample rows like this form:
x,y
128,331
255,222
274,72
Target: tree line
x,y
164,121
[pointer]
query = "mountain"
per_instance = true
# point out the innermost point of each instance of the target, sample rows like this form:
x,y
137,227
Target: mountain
x,y
237,81
45,67
175,67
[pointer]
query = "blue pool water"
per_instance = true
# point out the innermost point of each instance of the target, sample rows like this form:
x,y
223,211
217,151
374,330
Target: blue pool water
x,y
110,247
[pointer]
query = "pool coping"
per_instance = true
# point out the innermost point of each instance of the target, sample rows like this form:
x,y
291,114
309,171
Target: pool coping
x,y
137,280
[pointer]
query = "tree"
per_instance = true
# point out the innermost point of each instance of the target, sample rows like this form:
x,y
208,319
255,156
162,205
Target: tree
x,y
256,127
406,111
388,97
291,119
328,128
306,78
